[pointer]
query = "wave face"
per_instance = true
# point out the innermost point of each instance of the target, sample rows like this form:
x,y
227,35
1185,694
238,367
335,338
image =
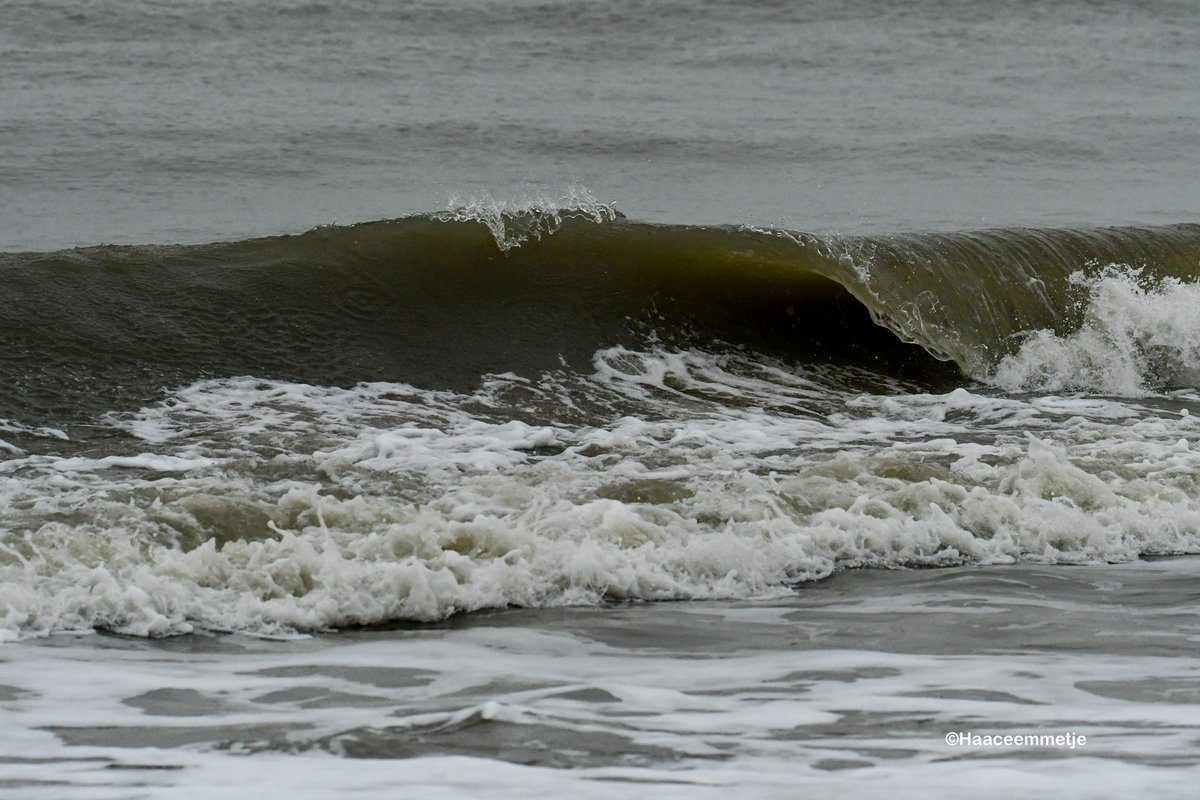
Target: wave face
x,y
439,300
551,405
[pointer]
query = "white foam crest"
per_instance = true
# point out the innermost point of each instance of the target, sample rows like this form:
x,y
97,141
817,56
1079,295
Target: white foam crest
x,y
534,212
476,447
144,461
270,507
1137,337
12,426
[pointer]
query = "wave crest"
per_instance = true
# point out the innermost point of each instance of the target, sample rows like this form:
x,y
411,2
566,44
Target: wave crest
x,y
1139,335
533,213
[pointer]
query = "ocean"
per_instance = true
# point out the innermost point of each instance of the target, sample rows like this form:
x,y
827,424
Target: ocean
x,y
542,399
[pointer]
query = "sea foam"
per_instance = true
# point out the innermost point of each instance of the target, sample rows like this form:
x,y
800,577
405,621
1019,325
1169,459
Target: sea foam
x,y
1136,337
273,507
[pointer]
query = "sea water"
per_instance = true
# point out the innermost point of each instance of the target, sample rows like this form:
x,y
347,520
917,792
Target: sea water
x,y
514,399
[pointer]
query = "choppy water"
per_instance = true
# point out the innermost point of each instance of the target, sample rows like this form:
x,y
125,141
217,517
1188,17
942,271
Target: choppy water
x,y
761,310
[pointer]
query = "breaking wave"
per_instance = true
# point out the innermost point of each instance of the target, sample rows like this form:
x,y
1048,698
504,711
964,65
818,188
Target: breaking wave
x,y
547,403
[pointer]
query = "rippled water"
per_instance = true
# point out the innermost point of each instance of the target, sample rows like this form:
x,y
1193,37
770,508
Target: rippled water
x,y
193,121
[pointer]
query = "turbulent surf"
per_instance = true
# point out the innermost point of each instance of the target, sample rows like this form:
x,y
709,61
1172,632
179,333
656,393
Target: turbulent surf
x,y
485,407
